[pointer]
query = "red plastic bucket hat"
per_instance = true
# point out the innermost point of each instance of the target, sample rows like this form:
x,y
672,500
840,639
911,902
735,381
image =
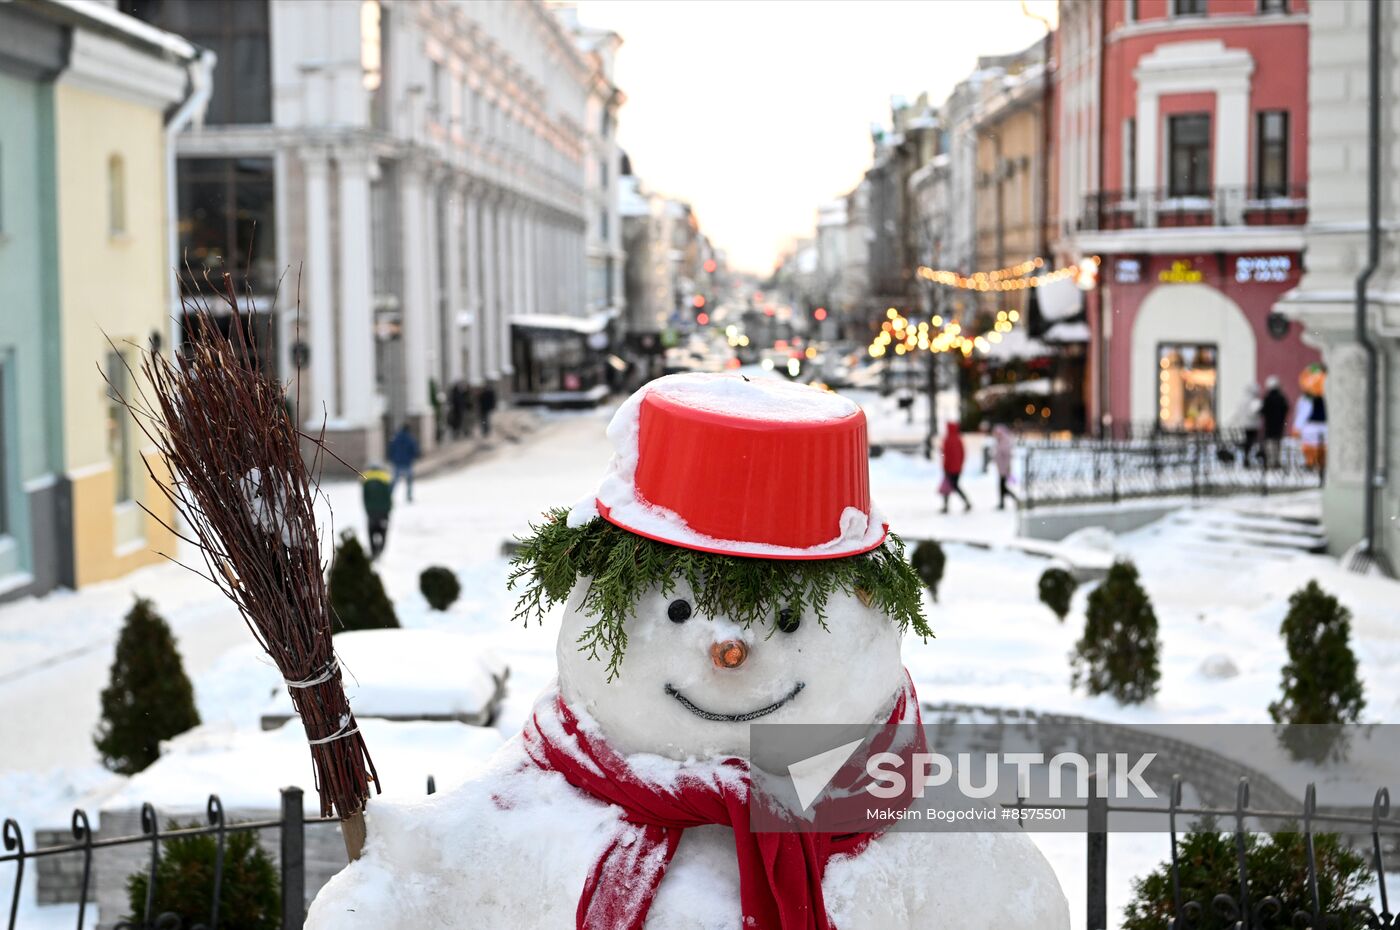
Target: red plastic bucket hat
x,y
751,467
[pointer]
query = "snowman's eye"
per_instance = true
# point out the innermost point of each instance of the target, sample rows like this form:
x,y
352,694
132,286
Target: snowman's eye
x,y
789,620
679,611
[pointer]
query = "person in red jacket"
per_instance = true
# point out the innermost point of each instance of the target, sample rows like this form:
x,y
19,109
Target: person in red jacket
x,y
953,457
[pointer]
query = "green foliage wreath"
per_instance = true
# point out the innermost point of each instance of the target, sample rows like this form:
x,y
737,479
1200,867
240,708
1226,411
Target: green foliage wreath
x,y
620,567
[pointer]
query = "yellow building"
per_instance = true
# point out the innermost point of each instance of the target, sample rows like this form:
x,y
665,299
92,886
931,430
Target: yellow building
x,y
114,279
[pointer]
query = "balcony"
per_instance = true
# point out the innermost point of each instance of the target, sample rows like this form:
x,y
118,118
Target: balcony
x,y
1159,209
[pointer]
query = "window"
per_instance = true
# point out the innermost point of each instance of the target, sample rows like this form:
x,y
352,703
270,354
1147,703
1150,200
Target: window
x,y
1188,7
435,91
119,427
116,196
1130,11
1130,157
236,31
1188,155
371,51
227,219
1186,379
1271,171
1273,6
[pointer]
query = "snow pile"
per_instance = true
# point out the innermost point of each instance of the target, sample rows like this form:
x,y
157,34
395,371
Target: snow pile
x,y
247,768
408,673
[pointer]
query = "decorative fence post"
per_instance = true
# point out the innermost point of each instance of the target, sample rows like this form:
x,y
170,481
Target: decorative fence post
x,y
293,860
1096,875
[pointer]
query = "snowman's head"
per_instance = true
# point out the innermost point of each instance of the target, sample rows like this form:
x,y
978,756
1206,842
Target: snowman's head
x,y
689,684
731,569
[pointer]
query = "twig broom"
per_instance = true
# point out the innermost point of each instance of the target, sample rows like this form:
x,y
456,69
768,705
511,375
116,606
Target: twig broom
x,y
239,481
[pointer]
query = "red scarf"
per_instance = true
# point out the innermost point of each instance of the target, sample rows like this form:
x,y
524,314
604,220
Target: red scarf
x,y
780,874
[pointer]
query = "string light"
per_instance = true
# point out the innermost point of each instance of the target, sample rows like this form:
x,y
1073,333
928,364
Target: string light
x,y
903,336
1010,278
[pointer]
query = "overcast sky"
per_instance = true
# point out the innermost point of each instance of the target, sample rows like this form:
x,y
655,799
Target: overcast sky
x,y
756,112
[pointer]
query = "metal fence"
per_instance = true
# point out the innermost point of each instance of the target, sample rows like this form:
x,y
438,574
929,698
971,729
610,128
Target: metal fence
x,y
1156,464
291,826
1239,907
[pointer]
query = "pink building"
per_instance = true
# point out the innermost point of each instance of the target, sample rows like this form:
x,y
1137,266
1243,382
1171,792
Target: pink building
x,y
1182,159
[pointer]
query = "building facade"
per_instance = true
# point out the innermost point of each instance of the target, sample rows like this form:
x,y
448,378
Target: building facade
x,y
1324,303
83,260
1183,163
416,168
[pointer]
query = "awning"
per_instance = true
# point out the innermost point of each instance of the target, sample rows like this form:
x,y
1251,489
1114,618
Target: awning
x,y
587,325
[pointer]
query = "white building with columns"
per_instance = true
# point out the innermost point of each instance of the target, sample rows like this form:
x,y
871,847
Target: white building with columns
x,y
416,172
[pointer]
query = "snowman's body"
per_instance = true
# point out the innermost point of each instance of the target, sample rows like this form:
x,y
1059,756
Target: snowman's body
x,y
513,848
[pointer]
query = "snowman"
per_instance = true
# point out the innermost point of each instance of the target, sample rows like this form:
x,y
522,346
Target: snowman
x,y
730,570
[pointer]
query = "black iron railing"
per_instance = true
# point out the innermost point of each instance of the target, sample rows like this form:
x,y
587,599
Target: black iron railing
x,y
1159,464
1162,208
1239,908
291,825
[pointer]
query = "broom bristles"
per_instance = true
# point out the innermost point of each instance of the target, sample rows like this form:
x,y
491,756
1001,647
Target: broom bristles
x,y
242,486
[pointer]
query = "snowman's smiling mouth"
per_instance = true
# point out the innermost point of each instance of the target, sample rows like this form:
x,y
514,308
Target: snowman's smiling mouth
x,y
733,718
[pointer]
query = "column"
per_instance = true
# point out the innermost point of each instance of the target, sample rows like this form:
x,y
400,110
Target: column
x,y
357,362
452,256
432,277
489,310
475,306
323,404
531,279
415,317
510,294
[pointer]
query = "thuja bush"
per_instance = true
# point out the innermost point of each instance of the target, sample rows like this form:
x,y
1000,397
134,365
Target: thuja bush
x,y
1118,653
1056,590
148,697
1277,866
439,586
250,888
356,593
929,561
1320,681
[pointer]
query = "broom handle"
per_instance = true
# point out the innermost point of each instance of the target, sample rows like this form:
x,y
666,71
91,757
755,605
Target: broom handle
x,y
352,830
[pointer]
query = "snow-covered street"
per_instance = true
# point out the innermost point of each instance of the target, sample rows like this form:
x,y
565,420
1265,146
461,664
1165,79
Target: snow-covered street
x,y
996,644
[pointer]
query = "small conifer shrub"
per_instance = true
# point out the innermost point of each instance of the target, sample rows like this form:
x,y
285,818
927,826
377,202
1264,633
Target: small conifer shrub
x,y
357,595
1057,590
439,586
1119,652
148,697
250,893
1321,687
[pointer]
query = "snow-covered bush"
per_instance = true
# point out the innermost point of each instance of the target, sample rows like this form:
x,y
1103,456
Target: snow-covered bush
x,y
357,595
1118,653
928,561
148,698
1056,590
439,586
1320,681
1278,867
250,889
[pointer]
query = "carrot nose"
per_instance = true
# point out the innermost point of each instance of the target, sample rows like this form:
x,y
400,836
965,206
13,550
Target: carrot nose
x,y
729,654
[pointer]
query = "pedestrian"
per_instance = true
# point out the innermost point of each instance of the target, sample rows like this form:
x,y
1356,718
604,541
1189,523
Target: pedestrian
x,y
1246,419
1004,445
1274,412
485,406
378,494
1310,418
953,457
457,400
403,452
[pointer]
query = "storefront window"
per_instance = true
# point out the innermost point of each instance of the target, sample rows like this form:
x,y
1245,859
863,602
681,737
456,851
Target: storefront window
x,y
227,219
1272,170
1186,381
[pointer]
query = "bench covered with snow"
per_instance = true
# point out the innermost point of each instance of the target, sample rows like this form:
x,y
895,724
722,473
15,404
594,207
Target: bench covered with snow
x,y
412,675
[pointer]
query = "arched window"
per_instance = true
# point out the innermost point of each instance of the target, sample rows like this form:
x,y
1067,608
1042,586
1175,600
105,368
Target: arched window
x,y
116,196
